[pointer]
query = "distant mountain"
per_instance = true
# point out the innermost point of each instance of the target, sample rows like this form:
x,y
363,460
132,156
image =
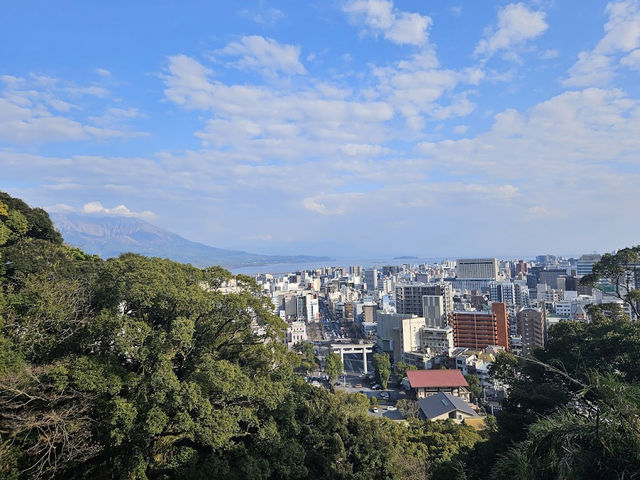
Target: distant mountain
x,y
111,236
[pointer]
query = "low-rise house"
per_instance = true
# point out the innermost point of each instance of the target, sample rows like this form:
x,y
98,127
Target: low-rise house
x,y
424,383
442,406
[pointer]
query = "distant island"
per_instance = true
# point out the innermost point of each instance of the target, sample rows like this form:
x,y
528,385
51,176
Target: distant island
x,y
406,257
109,236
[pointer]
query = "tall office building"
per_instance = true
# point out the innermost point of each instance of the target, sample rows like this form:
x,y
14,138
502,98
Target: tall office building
x,y
371,279
478,330
584,265
409,297
531,325
477,268
433,308
514,294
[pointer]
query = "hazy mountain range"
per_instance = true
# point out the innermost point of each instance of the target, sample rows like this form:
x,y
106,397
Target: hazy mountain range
x,y
110,236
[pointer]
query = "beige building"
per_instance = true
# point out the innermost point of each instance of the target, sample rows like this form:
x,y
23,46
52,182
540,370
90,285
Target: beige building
x,y
407,337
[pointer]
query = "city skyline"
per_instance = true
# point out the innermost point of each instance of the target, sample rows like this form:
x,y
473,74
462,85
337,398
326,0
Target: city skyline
x,y
343,128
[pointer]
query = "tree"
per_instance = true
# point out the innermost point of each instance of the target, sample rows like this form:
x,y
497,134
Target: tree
x,y
400,369
474,386
308,360
382,364
333,365
618,274
408,408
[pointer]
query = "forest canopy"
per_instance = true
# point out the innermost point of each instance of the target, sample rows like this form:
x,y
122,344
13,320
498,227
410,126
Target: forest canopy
x,y
143,368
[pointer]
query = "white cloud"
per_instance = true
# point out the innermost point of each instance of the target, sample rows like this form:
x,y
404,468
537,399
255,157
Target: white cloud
x,y
96,208
264,55
103,72
268,16
516,25
381,17
37,109
632,60
461,129
550,54
333,203
597,67
354,150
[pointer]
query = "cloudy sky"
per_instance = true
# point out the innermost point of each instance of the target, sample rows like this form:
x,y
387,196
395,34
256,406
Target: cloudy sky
x,y
336,127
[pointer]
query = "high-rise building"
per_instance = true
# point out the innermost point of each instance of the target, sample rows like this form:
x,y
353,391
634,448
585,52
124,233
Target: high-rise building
x,y
369,312
407,337
584,265
409,297
386,323
477,268
477,330
433,308
371,279
514,294
532,327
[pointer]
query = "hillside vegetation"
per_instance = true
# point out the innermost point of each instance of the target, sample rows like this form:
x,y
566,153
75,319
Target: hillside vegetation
x,y
136,368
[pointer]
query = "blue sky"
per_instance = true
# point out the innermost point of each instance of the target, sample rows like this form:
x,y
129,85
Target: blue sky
x,y
346,127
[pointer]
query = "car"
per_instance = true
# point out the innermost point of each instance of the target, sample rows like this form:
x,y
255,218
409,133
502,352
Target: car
x,y
359,385
375,387
384,395
337,384
391,408
375,410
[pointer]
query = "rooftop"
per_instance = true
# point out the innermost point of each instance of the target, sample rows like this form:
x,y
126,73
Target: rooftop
x,y
442,403
436,378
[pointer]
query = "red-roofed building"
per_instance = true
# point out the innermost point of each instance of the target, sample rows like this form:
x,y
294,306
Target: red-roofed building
x,y
425,383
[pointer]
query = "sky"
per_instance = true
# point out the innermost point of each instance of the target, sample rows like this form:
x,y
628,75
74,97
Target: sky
x,y
333,127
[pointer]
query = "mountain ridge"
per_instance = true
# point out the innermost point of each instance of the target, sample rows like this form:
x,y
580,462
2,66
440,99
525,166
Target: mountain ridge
x,y
109,236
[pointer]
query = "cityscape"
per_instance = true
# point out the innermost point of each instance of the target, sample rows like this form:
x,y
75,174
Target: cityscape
x,y
320,240
451,315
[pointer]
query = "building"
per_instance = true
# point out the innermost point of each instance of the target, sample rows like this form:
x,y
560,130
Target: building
x,y
514,294
387,322
409,298
424,383
407,337
531,326
478,330
369,313
443,406
433,308
296,333
477,268
371,279
437,340
584,265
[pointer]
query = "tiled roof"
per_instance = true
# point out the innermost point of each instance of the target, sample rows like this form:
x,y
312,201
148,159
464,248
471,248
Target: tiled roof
x,y
441,403
436,378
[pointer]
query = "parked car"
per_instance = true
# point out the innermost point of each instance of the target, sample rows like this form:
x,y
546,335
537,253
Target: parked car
x,y
375,387
375,410
384,395
391,408
359,385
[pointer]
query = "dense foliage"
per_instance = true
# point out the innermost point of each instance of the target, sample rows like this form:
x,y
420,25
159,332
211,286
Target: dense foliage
x,y
141,368
573,411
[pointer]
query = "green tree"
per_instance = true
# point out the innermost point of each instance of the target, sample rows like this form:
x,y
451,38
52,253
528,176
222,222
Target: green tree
x,y
308,360
616,274
333,366
400,369
382,364
474,386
